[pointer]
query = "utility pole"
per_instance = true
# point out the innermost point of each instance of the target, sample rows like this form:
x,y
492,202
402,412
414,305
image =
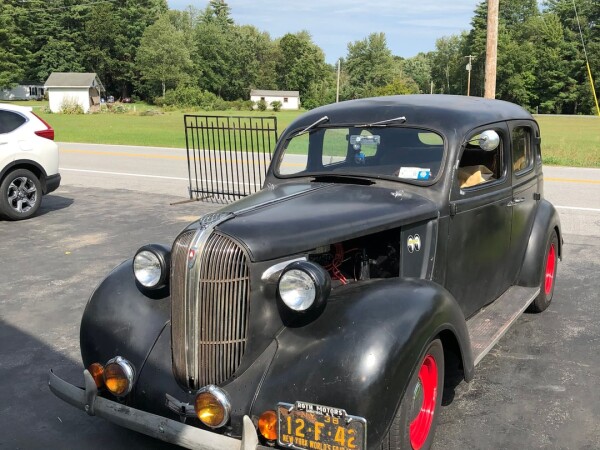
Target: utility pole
x,y
469,68
337,91
491,52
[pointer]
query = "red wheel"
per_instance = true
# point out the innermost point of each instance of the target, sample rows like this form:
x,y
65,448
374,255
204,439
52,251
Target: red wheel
x,y
548,275
413,426
428,383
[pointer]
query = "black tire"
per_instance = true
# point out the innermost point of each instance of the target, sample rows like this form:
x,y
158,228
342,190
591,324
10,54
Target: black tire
x,y
548,276
400,435
20,195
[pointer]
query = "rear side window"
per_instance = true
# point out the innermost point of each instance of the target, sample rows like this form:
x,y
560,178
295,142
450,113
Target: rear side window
x,y
10,121
522,155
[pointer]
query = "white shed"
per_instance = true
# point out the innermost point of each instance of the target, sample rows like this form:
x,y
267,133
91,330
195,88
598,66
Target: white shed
x,y
70,87
26,90
288,99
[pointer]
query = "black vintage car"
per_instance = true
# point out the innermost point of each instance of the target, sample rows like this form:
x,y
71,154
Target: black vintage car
x,y
394,242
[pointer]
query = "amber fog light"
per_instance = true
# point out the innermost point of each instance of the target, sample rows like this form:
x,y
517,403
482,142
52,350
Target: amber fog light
x,y
118,376
212,406
267,425
96,370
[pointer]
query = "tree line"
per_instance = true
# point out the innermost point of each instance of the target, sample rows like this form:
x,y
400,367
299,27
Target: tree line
x,y
202,57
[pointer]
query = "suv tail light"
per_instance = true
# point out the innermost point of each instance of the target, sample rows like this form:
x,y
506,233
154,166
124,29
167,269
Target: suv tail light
x,y
48,133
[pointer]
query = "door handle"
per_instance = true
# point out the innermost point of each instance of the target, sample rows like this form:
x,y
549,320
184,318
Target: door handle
x,y
516,201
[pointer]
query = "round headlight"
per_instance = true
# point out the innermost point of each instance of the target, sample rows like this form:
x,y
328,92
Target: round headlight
x,y
212,406
118,376
151,266
304,285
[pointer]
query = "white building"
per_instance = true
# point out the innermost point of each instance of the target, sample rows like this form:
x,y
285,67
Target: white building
x,y
288,99
23,91
69,87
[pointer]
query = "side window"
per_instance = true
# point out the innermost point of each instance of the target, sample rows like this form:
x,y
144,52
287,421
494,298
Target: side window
x,y
522,155
10,121
478,166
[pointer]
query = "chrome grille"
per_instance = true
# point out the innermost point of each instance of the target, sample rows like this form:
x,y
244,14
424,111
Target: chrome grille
x,y
179,259
210,310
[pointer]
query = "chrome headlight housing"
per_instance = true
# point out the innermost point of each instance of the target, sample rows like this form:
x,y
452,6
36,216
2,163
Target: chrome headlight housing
x,y
151,266
304,286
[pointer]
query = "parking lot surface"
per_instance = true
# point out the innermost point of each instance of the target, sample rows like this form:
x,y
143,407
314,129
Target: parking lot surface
x,y
536,389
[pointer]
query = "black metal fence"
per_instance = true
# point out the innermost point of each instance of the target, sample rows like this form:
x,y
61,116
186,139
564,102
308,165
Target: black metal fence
x,y
228,156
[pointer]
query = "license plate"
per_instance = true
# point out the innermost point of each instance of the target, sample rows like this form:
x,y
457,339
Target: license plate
x,y
306,426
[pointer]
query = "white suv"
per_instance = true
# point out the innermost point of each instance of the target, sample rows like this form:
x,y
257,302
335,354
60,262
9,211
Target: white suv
x,y
28,161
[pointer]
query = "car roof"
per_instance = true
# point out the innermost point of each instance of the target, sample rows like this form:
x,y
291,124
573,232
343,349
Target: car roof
x,y
16,108
442,112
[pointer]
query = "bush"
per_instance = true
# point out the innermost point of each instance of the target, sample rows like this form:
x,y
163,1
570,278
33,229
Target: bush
x,y
261,105
118,108
70,105
276,105
150,112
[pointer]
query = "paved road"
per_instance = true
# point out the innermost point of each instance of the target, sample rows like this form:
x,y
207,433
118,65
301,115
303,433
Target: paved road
x,y
575,191
536,389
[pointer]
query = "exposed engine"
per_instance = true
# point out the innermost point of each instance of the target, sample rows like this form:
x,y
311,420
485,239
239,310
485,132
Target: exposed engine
x,y
374,256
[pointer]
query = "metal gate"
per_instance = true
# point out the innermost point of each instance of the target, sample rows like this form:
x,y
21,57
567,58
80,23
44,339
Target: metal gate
x,y
228,156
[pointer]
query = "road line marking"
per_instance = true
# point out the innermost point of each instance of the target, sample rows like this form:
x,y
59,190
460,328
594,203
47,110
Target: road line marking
x,y
128,154
125,174
571,180
578,209
224,159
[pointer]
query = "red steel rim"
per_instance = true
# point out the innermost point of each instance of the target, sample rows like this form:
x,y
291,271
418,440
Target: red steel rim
x,y
420,427
550,269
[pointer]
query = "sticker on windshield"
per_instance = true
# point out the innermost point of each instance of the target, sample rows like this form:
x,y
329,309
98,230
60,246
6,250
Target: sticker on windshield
x,y
414,173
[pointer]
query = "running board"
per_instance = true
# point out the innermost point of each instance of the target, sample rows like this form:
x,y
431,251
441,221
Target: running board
x,y
492,322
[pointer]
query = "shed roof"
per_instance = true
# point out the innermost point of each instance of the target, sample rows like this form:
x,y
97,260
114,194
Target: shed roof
x,y
73,80
267,93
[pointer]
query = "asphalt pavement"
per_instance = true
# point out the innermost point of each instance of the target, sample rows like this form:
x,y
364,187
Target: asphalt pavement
x,y
536,389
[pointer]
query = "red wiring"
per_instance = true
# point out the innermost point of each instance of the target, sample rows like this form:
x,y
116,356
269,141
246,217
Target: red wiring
x,y
338,259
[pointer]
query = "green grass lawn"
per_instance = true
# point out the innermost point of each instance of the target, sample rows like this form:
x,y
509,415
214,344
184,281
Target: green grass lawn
x,y
568,141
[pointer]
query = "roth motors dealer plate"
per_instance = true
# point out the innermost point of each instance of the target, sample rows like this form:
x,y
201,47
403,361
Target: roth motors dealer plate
x,y
306,426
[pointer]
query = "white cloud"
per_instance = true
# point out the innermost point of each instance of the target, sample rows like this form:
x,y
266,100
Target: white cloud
x,y
411,26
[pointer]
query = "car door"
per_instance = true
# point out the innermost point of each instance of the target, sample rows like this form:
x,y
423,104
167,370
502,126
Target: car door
x,y
524,136
10,121
480,225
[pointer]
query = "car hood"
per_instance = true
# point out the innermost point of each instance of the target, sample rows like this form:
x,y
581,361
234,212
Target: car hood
x,y
294,218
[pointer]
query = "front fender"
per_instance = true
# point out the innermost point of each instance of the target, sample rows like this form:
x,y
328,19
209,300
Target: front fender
x,y
121,320
546,222
361,352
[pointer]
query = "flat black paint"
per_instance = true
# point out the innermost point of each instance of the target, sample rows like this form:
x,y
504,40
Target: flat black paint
x,y
546,222
361,352
345,212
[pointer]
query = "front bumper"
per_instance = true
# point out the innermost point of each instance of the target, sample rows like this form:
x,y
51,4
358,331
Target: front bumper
x,y
143,422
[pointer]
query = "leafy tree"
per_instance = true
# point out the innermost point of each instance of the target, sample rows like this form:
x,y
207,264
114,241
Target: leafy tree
x,y
14,47
300,65
419,69
369,65
113,35
163,56
217,12
448,65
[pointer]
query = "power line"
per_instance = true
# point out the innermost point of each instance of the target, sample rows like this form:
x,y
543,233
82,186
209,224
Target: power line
x,y
587,62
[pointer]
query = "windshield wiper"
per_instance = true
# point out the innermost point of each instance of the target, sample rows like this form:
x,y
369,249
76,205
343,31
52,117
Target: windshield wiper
x,y
313,125
383,123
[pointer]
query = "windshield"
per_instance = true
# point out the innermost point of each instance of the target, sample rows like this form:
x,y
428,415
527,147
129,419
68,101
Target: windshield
x,y
406,154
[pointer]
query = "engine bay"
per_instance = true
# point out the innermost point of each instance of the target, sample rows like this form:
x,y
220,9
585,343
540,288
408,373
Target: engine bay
x,y
364,258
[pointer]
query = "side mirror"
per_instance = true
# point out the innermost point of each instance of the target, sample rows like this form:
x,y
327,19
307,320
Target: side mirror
x,y
489,140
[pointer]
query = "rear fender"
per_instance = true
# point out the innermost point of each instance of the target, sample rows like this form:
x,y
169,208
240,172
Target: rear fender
x,y
546,222
359,355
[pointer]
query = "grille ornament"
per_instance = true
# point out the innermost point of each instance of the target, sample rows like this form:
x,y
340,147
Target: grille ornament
x,y
210,304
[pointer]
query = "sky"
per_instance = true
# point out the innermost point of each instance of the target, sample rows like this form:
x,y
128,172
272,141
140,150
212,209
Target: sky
x,y
411,26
